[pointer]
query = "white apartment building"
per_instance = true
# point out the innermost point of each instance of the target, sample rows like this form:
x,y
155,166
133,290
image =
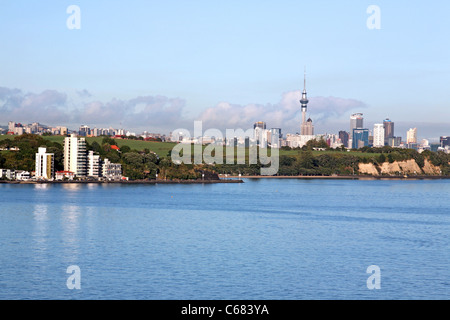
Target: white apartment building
x,y
75,157
411,136
111,171
94,165
378,135
45,163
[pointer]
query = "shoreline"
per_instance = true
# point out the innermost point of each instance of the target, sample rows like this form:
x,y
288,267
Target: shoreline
x,y
350,177
127,182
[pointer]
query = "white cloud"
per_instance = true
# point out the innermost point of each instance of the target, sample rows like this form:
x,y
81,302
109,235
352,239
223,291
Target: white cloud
x,y
284,114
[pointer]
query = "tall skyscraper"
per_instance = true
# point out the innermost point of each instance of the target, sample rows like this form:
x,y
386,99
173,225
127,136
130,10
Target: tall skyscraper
x,y
445,141
259,131
360,138
344,136
44,164
378,135
356,121
306,127
75,157
411,136
275,137
388,130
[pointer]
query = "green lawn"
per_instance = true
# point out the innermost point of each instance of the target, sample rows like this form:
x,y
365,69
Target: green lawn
x,y
163,148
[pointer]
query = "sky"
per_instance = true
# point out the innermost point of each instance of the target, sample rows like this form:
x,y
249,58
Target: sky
x,y
161,65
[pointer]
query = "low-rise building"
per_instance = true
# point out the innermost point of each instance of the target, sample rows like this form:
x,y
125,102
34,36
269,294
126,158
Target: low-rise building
x,y
9,174
61,175
111,171
22,175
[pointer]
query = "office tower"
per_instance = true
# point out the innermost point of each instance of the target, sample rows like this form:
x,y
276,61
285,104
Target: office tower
x,y
378,135
45,163
360,138
84,131
11,126
445,141
356,121
395,142
75,157
275,137
388,130
344,136
306,127
259,131
411,136
259,124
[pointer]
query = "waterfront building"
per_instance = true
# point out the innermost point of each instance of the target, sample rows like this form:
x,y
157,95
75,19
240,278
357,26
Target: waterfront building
x,y
111,171
23,175
94,163
44,164
60,175
75,157
9,174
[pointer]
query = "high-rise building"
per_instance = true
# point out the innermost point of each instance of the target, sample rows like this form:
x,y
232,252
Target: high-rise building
x,y
356,121
395,142
411,136
259,131
445,141
45,163
94,165
343,135
84,131
306,127
75,157
11,126
378,135
360,138
388,130
259,124
275,137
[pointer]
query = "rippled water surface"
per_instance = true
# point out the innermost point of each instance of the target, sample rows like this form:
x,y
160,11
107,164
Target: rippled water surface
x,y
263,239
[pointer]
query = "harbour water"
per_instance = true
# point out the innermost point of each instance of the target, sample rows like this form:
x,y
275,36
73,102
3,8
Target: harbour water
x,y
282,239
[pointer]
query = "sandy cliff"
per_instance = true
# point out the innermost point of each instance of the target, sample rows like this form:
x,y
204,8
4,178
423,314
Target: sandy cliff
x,y
399,167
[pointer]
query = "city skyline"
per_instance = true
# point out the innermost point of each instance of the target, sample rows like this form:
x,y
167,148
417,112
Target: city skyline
x,y
228,65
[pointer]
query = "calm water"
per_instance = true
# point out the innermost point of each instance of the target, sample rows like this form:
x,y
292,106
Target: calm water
x,y
264,239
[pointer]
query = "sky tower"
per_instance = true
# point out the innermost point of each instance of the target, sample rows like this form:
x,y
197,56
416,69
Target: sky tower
x,y
306,127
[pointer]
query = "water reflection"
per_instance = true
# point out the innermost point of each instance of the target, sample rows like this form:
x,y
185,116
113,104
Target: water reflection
x,y
40,232
72,186
41,186
70,216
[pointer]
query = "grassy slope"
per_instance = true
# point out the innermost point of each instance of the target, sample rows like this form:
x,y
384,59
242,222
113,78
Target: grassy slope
x,y
163,148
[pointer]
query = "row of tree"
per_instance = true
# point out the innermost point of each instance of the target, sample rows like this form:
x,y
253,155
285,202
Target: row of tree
x,y
146,164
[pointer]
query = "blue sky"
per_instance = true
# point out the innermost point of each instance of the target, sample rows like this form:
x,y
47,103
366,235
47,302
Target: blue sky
x,y
179,61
